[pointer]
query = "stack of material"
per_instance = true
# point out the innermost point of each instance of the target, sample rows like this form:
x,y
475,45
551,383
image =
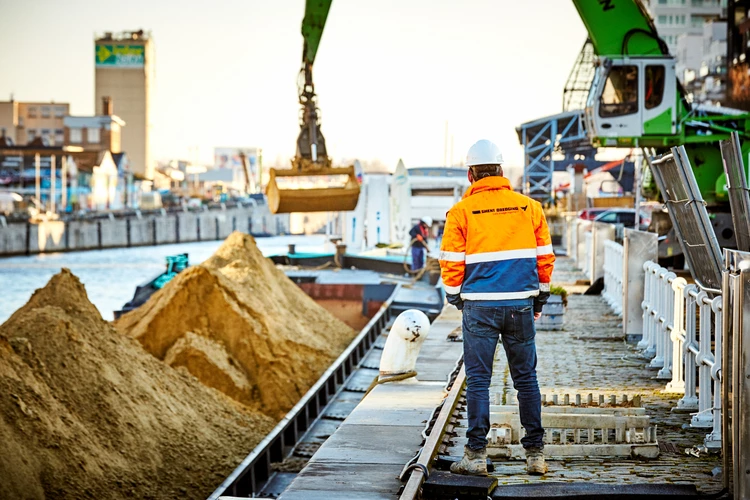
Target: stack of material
x,y
241,326
85,412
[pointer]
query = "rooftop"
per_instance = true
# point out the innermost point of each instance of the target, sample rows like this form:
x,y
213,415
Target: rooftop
x,y
123,36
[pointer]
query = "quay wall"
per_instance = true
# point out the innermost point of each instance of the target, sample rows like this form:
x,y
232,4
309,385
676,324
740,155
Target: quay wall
x,y
133,231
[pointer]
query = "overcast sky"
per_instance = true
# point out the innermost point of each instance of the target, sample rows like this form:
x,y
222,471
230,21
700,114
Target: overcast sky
x,y
389,73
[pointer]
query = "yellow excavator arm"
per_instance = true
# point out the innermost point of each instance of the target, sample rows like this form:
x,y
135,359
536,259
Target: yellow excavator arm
x,y
311,164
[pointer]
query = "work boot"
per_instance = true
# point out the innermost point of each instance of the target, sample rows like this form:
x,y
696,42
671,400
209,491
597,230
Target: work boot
x,y
535,464
473,463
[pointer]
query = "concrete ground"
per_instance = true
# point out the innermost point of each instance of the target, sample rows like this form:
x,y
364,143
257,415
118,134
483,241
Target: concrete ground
x,y
591,356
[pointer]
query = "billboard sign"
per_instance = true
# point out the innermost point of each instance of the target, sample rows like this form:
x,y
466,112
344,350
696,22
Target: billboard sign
x,y
230,158
120,56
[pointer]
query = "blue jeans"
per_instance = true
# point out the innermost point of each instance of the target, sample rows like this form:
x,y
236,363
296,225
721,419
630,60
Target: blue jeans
x,y
417,257
482,327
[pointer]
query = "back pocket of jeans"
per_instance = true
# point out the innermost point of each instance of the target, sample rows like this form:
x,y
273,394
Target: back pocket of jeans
x,y
523,327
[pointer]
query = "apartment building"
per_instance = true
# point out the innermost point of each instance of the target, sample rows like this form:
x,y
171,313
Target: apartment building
x,y
23,122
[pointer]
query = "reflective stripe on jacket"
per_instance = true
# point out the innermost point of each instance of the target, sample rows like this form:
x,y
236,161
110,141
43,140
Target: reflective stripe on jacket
x,y
496,244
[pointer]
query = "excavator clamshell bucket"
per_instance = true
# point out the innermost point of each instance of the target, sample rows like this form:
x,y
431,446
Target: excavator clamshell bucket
x,y
323,199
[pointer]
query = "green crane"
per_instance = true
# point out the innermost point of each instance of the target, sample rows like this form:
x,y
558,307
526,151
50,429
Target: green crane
x,y
636,100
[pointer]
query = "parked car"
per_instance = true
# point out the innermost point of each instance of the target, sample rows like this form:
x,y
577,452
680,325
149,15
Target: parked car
x,y
625,216
591,213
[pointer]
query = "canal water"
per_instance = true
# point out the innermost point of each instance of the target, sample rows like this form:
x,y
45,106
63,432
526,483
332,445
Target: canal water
x,y
110,276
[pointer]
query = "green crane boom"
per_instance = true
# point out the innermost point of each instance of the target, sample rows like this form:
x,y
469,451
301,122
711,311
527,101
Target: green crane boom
x,y
316,14
620,27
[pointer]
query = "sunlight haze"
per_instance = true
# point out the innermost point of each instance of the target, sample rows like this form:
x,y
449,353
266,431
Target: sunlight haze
x,y
389,74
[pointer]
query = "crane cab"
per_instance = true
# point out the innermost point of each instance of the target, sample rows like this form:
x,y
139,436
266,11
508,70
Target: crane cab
x,y
633,102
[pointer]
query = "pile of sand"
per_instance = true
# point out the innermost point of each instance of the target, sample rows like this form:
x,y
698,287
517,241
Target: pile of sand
x,y
241,326
85,412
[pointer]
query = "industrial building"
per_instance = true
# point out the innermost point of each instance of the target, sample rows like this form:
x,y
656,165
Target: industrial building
x,y
23,122
674,18
125,73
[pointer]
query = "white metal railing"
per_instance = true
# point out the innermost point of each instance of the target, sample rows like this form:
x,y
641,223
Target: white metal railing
x,y
658,323
613,275
680,322
698,319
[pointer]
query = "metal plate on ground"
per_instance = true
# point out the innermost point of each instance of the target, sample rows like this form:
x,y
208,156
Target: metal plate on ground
x,y
277,484
332,494
417,296
372,360
380,342
348,479
361,380
369,444
322,429
445,485
404,395
339,410
376,416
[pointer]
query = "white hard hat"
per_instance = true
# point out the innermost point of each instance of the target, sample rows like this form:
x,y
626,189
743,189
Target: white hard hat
x,y
484,152
427,220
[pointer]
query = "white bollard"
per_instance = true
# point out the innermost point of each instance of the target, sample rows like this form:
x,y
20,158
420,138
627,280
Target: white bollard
x,y
403,344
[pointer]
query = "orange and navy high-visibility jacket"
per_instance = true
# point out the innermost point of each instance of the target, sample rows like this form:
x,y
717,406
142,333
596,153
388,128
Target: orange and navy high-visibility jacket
x,y
496,245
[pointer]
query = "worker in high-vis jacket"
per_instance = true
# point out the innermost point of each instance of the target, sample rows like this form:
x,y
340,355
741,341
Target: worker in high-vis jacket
x,y
496,260
419,234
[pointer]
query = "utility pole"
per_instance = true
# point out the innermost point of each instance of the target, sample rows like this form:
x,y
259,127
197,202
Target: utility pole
x,y
638,156
64,184
731,22
37,186
53,182
445,145
452,137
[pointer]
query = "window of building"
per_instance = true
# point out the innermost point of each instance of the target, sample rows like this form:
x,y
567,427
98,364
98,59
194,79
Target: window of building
x,y
620,96
92,136
32,111
30,134
45,111
662,2
654,85
75,136
661,20
696,3
59,136
59,112
45,132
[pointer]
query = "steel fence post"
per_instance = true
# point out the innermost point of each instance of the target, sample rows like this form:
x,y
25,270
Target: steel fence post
x,y
713,440
678,337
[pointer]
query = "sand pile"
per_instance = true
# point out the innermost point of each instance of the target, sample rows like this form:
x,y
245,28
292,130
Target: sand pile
x,y
85,412
241,326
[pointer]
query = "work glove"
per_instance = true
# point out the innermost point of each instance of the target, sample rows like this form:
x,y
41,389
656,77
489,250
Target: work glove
x,y
540,300
456,300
